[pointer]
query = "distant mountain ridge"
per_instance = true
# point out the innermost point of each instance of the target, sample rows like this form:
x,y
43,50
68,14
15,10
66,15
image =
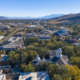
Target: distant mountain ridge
x,y
52,19
2,17
44,17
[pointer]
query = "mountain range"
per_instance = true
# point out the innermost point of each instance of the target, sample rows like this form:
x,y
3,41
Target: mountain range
x,y
44,17
52,19
65,19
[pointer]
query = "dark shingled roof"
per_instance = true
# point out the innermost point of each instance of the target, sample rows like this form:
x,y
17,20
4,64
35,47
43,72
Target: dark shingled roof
x,y
54,59
61,61
52,52
65,57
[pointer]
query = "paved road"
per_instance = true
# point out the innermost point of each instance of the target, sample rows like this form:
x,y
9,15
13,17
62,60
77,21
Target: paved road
x,y
6,38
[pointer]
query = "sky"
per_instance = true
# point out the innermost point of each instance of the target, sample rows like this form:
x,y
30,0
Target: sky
x,y
38,8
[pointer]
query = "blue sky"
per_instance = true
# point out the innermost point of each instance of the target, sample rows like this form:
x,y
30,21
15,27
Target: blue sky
x,y
38,8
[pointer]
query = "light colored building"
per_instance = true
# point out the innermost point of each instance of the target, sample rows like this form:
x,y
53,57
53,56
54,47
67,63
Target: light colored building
x,y
20,24
31,35
34,76
13,39
63,31
2,76
1,37
44,37
12,44
33,26
6,27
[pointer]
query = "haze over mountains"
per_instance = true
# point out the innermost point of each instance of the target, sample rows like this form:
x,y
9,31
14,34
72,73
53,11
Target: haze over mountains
x,y
44,17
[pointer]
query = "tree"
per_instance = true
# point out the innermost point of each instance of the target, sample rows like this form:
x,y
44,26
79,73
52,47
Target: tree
x,y
68,51
51,69
44,66
2,52
66,77
56,77
31,40
27,68
11,54
23,57
31,56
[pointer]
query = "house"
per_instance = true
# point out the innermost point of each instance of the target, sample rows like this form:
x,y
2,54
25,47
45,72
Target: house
x,y
3,60
62,37
20,24
13,25
56,56
2,76
34,76
19,34
30,35
72,40
33,26
76,44
12,44
44,37
7,68
6,27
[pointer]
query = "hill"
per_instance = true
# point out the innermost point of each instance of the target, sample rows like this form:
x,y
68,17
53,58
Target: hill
x,y
65,19
2,18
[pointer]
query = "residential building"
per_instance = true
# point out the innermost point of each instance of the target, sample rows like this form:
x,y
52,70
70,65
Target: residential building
x,y
12,44
76,44
30,35
33,26
7,68
72,41
3,60
44,37
34,76
19,34
6,27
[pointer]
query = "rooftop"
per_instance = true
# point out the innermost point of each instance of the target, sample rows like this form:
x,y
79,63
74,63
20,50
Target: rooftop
x,y
12,39
9,44
4,58
2,76
1,37
34,76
